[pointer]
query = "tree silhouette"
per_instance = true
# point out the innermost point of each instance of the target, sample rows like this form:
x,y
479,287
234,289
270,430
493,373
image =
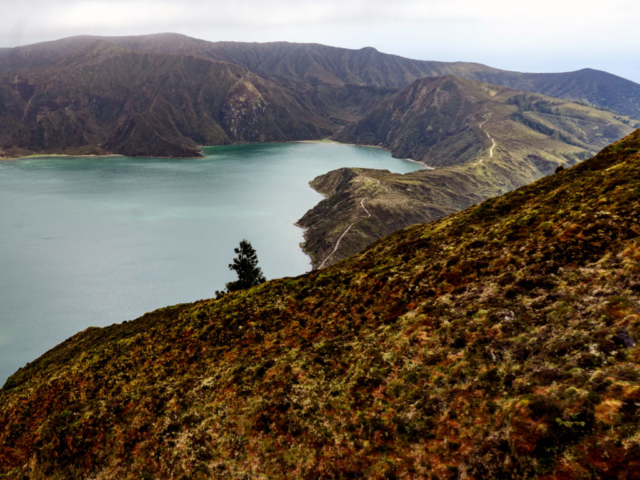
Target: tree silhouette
x,y
246,266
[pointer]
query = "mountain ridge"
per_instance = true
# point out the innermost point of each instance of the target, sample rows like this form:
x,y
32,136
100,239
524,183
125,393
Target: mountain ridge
x,y
110,99
336,65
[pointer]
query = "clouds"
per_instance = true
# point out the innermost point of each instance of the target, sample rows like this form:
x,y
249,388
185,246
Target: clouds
x,y
529,22
507,32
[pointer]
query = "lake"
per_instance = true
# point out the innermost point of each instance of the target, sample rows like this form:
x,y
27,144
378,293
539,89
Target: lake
x,y
94,241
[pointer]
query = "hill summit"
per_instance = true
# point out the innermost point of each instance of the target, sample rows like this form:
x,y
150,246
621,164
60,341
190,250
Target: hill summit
x,y
498,342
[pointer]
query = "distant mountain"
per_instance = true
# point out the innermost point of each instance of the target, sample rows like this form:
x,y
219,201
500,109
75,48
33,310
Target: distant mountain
x,y
318,65
41,54
163,95
308,62
501,342
592,87
108,99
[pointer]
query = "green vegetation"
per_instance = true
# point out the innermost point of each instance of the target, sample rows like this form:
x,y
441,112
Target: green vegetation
x,y
533,103
437,121
246,266
449,123
498,342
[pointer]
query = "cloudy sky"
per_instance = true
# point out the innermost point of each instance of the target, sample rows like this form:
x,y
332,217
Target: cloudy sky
x,y
536,36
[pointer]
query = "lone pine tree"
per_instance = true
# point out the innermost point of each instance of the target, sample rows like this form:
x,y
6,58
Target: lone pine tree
x,y
246,266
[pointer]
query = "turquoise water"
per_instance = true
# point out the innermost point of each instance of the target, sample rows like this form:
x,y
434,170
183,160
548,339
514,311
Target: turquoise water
x,y
95,241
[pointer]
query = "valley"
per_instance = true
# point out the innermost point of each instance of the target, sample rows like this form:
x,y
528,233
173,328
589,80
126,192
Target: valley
x,y
167,95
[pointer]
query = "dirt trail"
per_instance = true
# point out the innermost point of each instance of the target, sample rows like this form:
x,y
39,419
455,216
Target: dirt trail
x,y
335,249
490,138
386,188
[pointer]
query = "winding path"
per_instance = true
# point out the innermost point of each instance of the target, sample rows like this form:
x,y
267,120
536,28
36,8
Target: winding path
x,y
365,208
386,188
490,138
335,249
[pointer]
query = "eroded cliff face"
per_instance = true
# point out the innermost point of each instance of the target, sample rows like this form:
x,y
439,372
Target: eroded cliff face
x,y
498,342
243,112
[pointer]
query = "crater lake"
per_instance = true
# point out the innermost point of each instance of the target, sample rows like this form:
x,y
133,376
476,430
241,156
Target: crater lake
x,y
92,241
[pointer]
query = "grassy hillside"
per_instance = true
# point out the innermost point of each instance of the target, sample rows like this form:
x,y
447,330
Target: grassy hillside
x,y
452,124
499,342
364,205
593,87
447,121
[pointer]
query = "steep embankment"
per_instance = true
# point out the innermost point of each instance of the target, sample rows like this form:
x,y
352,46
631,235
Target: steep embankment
x,y
499,342
486,140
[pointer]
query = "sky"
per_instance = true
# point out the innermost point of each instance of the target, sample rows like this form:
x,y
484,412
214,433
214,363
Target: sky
x,y
532,36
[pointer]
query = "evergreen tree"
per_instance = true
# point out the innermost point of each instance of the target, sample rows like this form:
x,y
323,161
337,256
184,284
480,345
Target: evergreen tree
x,y
246,266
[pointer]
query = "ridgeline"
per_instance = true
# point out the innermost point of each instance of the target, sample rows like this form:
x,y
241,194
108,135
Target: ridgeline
x,y
165,95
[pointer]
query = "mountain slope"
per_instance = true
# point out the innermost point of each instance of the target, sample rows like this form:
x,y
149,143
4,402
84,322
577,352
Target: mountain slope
x,y
499,342
307,62
288,92
41,54
364,205
322,67
106,98
446,121
594,87
485,140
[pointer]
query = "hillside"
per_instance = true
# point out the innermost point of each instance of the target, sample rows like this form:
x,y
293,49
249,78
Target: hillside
x,y
499,342
447,121
108,99
594,87
364,205
318,68
485,140
165,95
